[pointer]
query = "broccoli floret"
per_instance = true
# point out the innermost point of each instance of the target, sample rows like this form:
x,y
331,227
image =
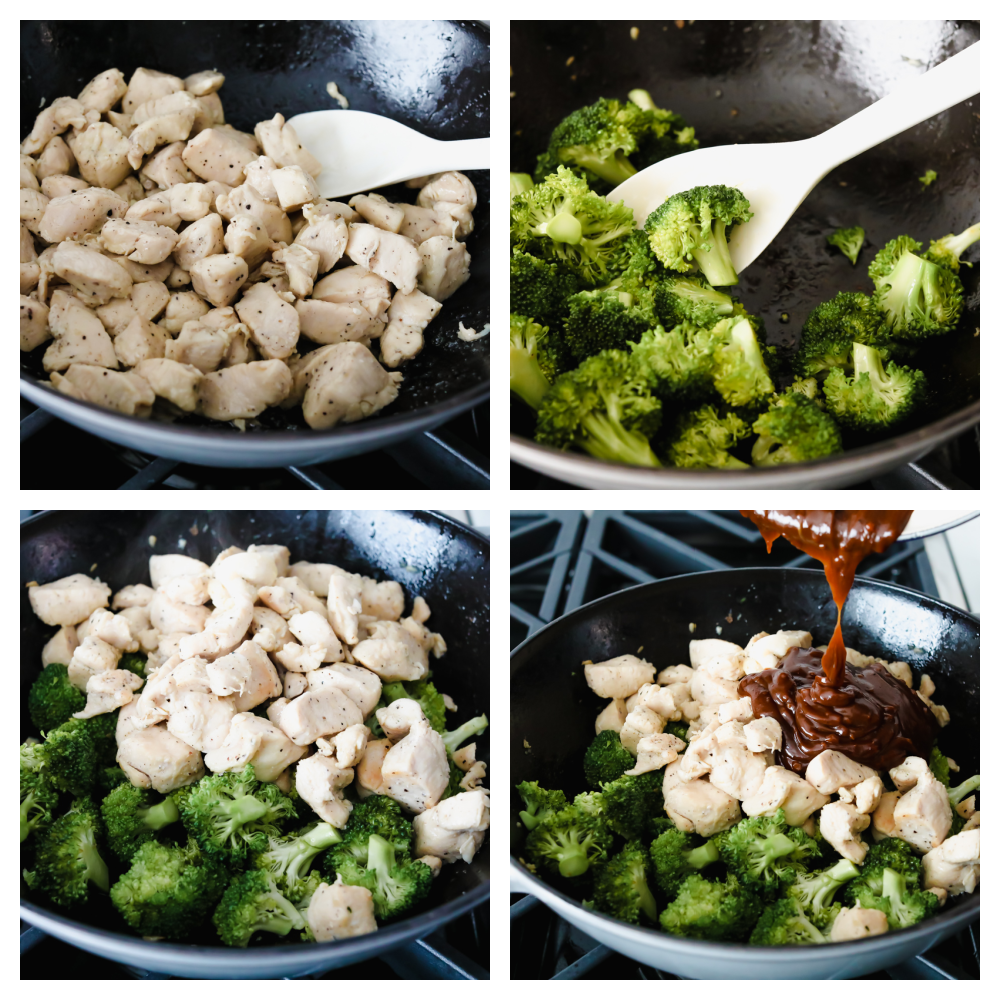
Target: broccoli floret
x,y
955,796
676,855
527,379
740,373
643,271
678,363
690,230
109,778
631,802
519,183
849,241
875,397
711,911
938,763
691,299
39,801
900,898
606,759
569,841
168,890
765,853
607,319
455,738
928,179
396,886
794,429
377,814
67,858
701,439
564,220
785,922
232,815
288,859
133,815
136,662
539,803
947,251
809,388
253,903
52,700
832,329
891,852
599,139
540,288
69,756
678,729
425,694
666,134
621,887
604,407
815,890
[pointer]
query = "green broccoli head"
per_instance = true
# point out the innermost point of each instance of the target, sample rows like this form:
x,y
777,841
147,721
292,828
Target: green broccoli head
x,y
424,693
251,904
168,890
691,299
889,853
39,801
563,220
527,379
288,859
569,841
690,230
232,815
849,241
397,885
794,429
631,802
52,700
929,177
666,134
702,439
903,902
740,372
539,802
947,251
815,891
676,855
679,362
875,397
136,662
602,320
540,288
785,922
70,756
938,763
606,759
519,183
67,857
599,139
642,270
918,298
621,887
604,407
711,911
378,815
832,329
132,816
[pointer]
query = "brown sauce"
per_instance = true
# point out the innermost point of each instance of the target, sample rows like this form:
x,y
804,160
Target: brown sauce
x,y
820,702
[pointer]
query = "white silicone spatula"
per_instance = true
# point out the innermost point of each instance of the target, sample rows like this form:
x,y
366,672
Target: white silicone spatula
x,y
777,176
361,151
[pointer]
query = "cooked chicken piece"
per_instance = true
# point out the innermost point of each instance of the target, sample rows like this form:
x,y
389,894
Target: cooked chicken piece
x,y
409,315
392,653
762,734
612,716
855,923
92,656
156,209
117,314
379,211
124,727
922,815
244,391
54,120
326,235
431,642
200,346
217,155
102,154
321,782
56,159
415,770
130,189
144,242
172,380
161,131
344,606
298,659
335,322
28,178
294,684
698,806
246,200
840,825
113,629
294,187
179,102
340,911
398,718
738,711
273,322
103,92
355,285
134,596
421,610
192,201
389,255
660,700
346,748
290,596
453,829
184,307
154,758
278,554
34,205
149,298
325,712
654,752
763,652
166,167
199,718
421,224
258,176
347,385
59,186
724,756
171,616
301,265
252,740
924,693
619,677
444,267
638,724
270,629
312,629
60,648
139,341
122,391
76,214
783,789
27,246
108,691
954,865
30,274
34,323
205,82
867,794
452,188
362,686
264,682
280,142
369,770
148,84
90,272
68,601
831,770
247,237
702,650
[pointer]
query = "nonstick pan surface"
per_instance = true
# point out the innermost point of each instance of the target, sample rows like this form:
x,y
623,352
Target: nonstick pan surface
x,y
777,81
428,554
553,713
430,75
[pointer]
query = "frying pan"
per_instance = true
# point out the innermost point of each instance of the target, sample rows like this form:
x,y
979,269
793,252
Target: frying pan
x,y
553,712
430,75
429,555
777,81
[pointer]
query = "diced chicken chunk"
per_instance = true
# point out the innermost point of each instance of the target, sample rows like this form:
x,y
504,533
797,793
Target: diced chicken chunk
x,y
318,713
108,691
218,278
347,385
102,154
444,267
144,242
762,734
215,155
654,752
454,828
379,211
244,391
341,911
321,783
612,716
104,91
841,824
619,677
139,341
301,265
388,255
763,652
273,322
280,142
392,652
60,648
136,595
831,770
97,277
699,807
369,770
922,815
79,336
415,770
294,188
154,758
166,167
403,337
34,323
788,791
325,235
856,922
147,85
953,865
252,740
361,685
399,717
54,120
68,601
172,380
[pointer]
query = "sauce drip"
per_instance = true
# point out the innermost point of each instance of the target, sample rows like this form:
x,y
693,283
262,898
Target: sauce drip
x,y
820,702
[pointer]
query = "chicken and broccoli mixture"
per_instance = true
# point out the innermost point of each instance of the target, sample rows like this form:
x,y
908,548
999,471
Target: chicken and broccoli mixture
x,y
693,827
252,745
628,345
180,266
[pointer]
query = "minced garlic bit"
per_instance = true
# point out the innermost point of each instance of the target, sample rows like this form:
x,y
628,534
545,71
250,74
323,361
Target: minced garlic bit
x,y
334,92
152,541
634,32
469,334
569,62
239,423
691,626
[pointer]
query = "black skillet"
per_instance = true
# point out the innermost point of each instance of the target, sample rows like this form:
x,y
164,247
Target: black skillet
x,y
430,75
553,712
777,81
428,554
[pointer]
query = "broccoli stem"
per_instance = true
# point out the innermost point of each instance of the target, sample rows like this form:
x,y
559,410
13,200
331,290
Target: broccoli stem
x,y
705,855
519,183
97,870
573,864
615,170
564,228
647,904
643,99
246,809
161,815
960,243
454,739
526,378
608,440
714,262
959,792
26,806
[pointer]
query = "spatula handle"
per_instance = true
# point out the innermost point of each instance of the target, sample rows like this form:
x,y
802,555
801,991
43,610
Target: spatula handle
x,y
458,154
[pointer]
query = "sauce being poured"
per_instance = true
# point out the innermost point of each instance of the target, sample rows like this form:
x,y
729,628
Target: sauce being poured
x,y
820,702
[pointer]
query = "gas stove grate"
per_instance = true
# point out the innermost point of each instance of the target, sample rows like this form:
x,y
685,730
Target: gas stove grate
x,y
559,562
